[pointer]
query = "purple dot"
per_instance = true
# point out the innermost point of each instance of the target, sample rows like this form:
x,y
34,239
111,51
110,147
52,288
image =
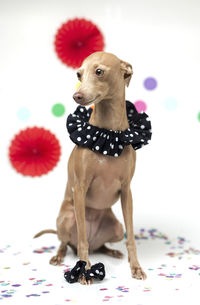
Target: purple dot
x,y
150,83
140,106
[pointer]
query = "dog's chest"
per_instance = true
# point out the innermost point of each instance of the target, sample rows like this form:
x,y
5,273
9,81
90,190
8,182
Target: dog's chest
x,y
108,175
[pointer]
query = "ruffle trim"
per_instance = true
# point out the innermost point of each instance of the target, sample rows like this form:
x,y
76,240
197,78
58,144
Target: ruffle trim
x,y
109,142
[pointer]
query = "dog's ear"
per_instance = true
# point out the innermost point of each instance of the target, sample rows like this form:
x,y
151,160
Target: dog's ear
x,y
127,70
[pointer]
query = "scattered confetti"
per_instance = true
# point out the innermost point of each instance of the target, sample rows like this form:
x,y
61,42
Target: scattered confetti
x,y
166,271
7,293
33,295
171,275
150,234
194,267
122,289
147,289
181,254
4,249
44,250
4,283
39,282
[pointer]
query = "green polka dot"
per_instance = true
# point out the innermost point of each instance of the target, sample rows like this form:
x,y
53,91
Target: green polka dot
x,y
198,116
58,110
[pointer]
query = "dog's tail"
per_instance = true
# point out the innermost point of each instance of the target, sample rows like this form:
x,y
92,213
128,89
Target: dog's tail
x,y
44,232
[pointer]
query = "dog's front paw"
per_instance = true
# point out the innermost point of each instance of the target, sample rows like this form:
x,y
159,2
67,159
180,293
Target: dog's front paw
x,y
82,280
138,273
56,260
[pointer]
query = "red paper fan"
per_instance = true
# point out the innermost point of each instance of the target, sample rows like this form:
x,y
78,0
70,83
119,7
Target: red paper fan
x,y
34,151
76,39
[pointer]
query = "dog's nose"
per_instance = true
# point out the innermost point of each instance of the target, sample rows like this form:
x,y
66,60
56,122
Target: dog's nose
x,y
78,97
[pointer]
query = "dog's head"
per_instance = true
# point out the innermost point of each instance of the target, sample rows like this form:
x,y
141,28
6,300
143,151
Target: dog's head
x,y
102,76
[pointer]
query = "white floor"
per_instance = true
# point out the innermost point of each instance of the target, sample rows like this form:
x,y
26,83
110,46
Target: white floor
x,y
27,278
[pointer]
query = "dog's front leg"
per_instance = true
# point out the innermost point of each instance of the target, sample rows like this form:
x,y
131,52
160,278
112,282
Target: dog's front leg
x,y
79,207
127,208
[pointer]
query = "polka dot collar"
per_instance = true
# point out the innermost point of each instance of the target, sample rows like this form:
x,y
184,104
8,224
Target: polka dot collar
x,y
109,142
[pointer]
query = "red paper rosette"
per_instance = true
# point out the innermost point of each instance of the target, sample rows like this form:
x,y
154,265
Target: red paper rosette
x,y
76,39
34,151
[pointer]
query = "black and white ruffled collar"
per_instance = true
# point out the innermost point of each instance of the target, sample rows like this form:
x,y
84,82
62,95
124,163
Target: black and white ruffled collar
x,y
109,142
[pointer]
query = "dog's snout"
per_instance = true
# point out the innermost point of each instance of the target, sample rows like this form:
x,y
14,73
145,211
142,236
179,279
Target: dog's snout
x,y
78,97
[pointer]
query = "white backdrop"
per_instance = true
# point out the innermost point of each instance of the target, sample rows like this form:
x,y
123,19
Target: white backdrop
x,y
160,39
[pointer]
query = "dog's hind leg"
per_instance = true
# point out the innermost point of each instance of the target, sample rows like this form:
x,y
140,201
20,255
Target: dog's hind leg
x,y
65,222
110,230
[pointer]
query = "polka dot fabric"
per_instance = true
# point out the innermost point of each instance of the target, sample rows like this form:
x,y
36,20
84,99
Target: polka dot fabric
x,y
109,142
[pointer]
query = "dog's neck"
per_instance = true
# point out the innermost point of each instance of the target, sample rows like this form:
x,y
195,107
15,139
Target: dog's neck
x,y
110,114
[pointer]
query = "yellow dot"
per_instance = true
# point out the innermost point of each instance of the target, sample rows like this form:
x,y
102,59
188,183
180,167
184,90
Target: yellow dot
x,y
77,85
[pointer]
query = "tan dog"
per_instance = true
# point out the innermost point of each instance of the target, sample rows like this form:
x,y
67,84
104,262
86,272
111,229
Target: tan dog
x,y
96,181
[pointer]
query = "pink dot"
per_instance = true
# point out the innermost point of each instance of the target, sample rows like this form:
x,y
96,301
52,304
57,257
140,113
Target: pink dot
x,y
140,106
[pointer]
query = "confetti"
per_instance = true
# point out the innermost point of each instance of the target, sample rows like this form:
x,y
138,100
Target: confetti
x,y
44,250
122,289
147,289
194,267
171,275
33,295
4,284
7,293
150,234
181,254
38,282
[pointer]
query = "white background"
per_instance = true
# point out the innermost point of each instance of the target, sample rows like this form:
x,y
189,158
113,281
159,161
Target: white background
x,y
160,39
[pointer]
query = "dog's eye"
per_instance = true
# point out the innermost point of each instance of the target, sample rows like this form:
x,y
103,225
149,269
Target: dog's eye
x,y
99,72
78,75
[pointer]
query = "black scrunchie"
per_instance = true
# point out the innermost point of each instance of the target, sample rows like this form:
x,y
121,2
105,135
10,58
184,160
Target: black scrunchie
x,y
96,271
109,142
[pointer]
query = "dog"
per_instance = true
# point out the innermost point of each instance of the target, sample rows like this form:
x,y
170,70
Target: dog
x,y
97,181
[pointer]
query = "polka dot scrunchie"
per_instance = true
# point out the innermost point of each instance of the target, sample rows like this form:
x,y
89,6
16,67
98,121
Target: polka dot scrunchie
x,y
109,142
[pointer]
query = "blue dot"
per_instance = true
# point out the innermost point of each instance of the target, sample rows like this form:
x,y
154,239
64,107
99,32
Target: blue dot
x,y
23,114
171,103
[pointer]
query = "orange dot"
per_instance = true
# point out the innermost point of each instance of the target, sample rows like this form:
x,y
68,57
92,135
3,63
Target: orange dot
x,y
92,107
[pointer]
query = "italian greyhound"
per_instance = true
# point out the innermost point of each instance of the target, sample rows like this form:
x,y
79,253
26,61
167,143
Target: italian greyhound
x,y
96,181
